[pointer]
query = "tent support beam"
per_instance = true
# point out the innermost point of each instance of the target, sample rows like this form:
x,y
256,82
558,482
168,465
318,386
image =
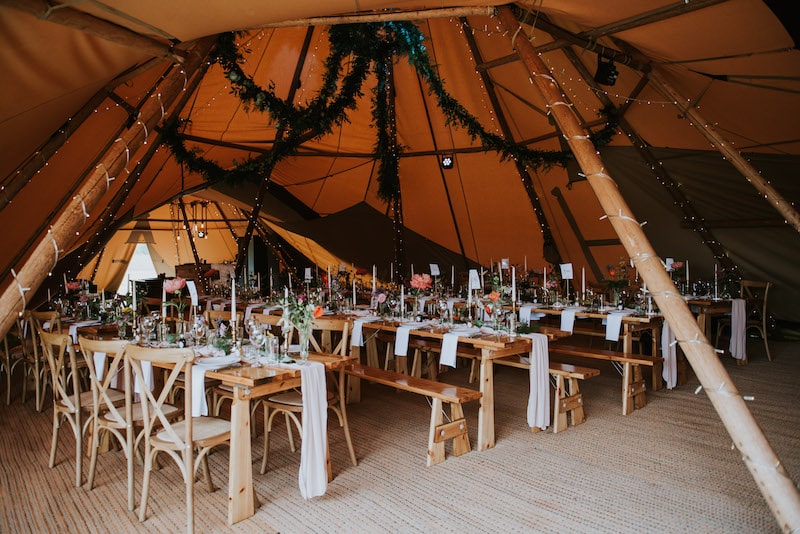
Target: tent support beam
x,y
690,215
44,254
91,25
527,181
244,242
688,109
773,481
384,17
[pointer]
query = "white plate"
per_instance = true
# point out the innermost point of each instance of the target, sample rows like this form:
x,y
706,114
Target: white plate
x,y
214,362
465,330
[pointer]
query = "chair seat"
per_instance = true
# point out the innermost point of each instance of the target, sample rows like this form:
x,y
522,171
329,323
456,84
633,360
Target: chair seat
x,y
203,429
293,398
168,410
87,400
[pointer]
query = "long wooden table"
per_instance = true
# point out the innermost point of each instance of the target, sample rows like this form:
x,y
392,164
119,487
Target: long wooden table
x,y
491,347
706,309
250,383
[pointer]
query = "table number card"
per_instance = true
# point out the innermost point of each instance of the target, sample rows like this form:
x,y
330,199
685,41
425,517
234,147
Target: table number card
x,y
668,263
434,269
308,274
474,279
566,271
192,292
504,263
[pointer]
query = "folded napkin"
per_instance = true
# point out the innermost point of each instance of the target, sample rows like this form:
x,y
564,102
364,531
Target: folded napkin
x,y
568,319
738,322
448,354
357,336
669,352
539,396
201,365
313,475
613,325
401,340
401,337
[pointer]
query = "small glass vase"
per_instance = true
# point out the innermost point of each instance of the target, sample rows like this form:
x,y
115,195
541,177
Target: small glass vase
x,y
303,337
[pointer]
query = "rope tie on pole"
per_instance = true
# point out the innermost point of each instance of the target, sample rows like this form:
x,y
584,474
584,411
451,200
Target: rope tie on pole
x,y
55,245
22,291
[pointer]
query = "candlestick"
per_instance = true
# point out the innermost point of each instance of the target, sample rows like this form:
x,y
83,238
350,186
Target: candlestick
x,y
290,279
687,273
374,278
544,277
526,266
583,282
513,284
233,302
65,283
453,275
402,301
102,297
271,287
48,294
500,271
354,291
163,301
715,281
259,282
412,269
133,292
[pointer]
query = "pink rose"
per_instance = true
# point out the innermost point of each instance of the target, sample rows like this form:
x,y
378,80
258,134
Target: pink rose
x,y
421,281
174,285
73,286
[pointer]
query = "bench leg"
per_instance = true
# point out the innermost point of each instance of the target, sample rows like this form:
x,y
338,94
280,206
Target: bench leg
x,y
634,391
574,402
435,445
559,412
440,432
416,364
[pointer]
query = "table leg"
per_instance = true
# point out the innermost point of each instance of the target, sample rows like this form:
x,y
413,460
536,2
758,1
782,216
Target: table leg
x,y
241,497
353,386
486,410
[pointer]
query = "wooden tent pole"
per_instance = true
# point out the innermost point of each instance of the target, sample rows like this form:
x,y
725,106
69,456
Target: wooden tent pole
x,y
717,141
778,489
389,16
91,25
67,224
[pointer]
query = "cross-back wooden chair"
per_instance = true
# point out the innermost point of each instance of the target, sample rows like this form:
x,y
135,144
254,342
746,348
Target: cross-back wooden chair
x,y
755,294
187,441
123,421
36,368
15,354
325,333
69,402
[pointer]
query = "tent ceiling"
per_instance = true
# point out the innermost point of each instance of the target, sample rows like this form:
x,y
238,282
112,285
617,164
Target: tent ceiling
x,y
733,59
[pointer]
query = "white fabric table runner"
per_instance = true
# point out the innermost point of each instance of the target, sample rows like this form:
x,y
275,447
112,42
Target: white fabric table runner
x,y
539,396
669,351
313,475
738,344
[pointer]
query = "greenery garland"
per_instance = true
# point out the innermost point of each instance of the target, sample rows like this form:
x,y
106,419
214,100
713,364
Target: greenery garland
x,y
373,44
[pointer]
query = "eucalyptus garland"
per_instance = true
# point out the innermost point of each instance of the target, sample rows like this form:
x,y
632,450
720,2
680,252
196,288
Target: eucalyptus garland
x,y
367,46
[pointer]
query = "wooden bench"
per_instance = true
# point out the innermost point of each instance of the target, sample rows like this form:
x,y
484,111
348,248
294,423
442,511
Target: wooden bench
x,y
568,399
633,386
440,393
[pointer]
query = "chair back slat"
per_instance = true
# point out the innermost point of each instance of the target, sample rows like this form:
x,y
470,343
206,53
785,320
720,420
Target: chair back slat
x,y
153,408
60,353
326,331
114,351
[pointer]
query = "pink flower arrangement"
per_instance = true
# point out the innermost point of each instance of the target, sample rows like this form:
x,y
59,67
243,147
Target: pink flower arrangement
x,y
174,285
73,286
421,281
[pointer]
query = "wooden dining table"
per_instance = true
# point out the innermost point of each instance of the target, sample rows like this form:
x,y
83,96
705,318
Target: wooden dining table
x,y
249,383
490,347
706,309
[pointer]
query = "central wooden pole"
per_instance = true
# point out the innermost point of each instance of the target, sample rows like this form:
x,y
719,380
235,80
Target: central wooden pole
x,y
778,489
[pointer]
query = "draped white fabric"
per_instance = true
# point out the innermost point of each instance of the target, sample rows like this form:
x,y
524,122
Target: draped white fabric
x,y
669,352
313,476
539,396
738,322
567,320
613,325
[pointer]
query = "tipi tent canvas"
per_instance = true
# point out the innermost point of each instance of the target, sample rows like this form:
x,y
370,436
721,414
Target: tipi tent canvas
x,y
702,98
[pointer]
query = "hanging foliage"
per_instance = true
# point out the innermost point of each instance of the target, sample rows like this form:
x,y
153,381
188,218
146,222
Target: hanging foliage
x,y
368,47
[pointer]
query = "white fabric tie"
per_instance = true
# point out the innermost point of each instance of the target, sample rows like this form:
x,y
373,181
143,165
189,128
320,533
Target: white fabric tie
x,y
539,396
738,344
669,351
449,344
313,475
357,335
199,404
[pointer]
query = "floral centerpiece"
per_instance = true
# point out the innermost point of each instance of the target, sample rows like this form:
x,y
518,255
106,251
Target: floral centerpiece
x,y
618,280
175,286
299,312
419,284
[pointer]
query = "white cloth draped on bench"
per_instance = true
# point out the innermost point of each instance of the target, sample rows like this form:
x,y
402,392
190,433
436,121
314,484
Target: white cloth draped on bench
x,y
738,322
568,319
449,345
357,336
401,337
669,351
539,396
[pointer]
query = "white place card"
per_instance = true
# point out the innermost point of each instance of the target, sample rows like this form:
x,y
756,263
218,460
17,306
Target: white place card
x,y
668,263
566,271
435,269
308,274
474,279
193,292
504,263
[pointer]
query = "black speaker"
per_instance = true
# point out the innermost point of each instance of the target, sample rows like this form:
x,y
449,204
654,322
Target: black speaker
x,y
606,72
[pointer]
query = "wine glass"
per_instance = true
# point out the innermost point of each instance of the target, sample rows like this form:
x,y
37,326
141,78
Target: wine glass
x,y
198,331
257,339
148,325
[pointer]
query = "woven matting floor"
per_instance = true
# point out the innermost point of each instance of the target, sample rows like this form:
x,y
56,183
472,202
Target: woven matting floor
x,y
668,467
